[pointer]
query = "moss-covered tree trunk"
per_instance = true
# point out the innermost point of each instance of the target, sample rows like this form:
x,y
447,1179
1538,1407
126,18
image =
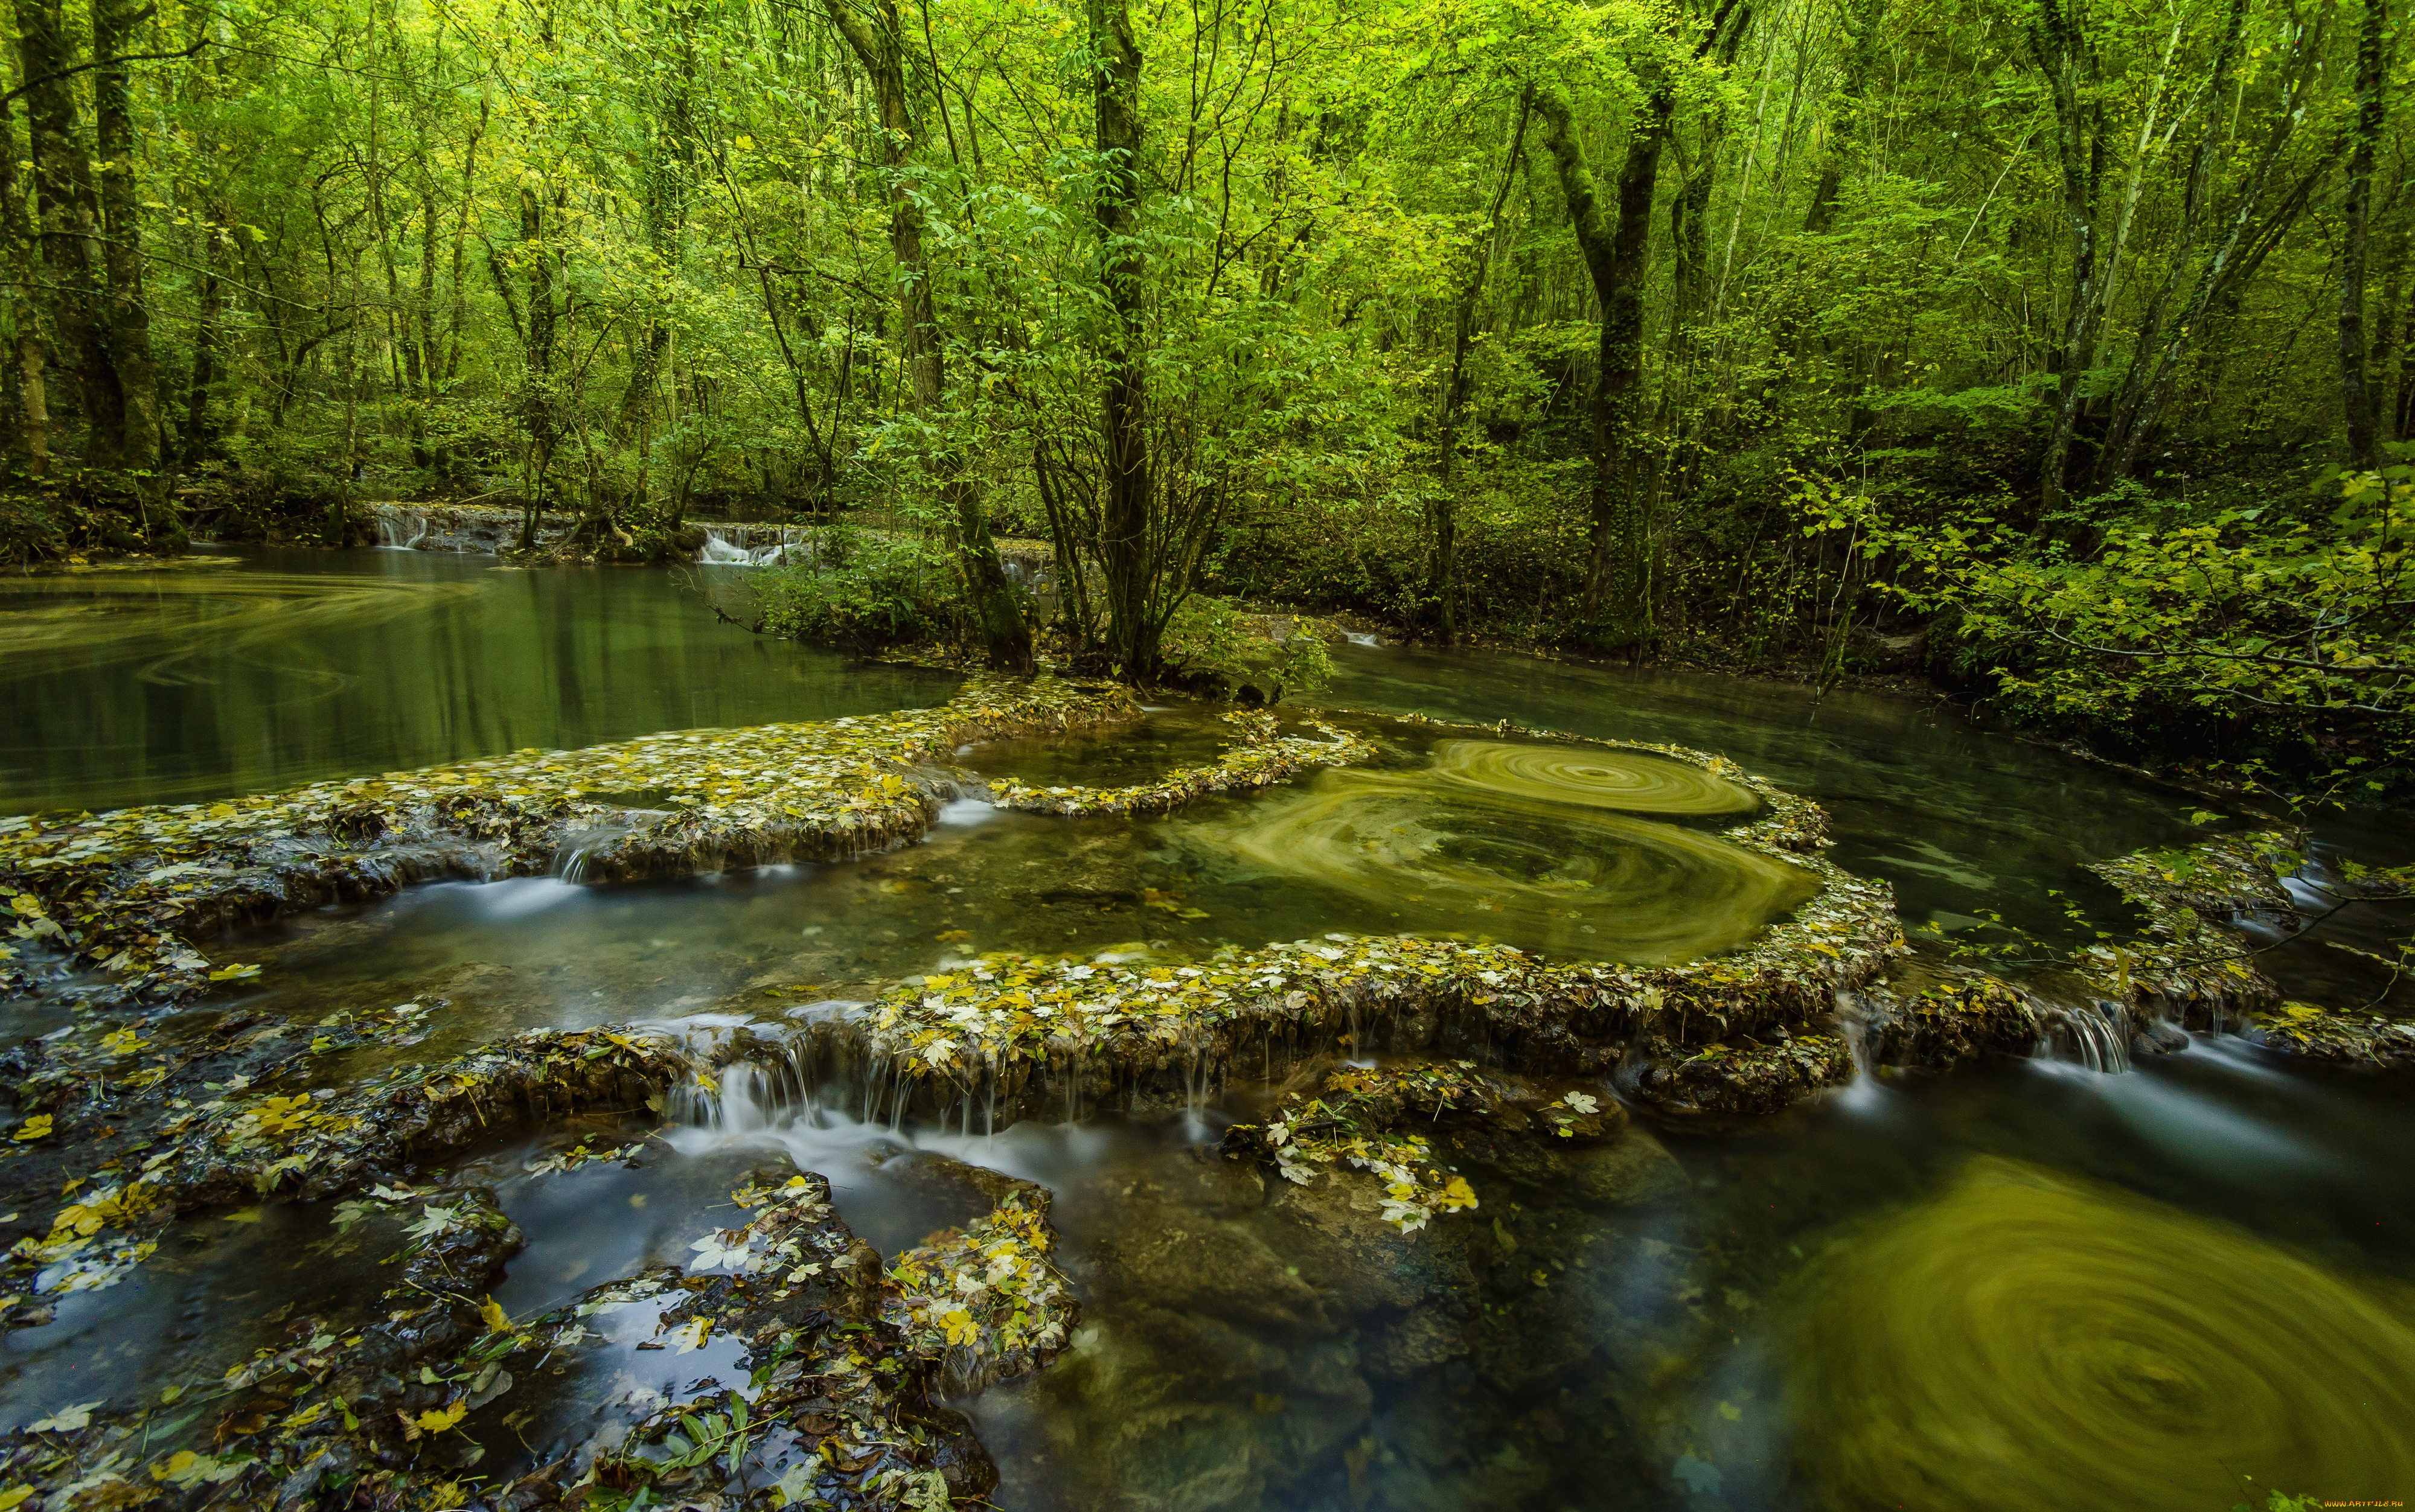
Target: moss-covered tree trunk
x,y
1616,613
142,445
69,227
2067,54
538,412
2360,394
29,445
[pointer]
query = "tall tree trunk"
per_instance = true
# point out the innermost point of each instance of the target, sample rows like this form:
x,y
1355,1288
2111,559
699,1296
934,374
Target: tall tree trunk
x,y
1133,622
1862,21
69,222
198,435
1443,584
539,413
2358,391
29,448
2063,52
142,450
998,617
1616,612
667,166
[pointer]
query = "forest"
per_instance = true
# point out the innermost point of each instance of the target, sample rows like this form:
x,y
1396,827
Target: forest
x,y
2061,350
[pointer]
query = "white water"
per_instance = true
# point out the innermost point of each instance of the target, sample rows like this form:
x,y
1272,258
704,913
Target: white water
x,y
390,524
718,551
2093,1035
1866,1094
760,1106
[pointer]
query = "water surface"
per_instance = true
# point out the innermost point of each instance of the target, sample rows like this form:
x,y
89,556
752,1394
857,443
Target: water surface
x,y
2022,1285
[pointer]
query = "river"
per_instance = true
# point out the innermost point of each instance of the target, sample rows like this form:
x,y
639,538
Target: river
x,y
2028,1285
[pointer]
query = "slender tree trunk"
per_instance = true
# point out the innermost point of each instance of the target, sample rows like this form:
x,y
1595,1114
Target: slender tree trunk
x,y
998,617
2360,394
2065,54
142,449
1862,21
667,167
2252,231
1616,612
199,437
1133,622
538,399
1443,585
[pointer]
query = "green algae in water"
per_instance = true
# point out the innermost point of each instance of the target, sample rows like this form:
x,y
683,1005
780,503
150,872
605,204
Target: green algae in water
x,y
2033,1342
1428,853
1588,777
88,619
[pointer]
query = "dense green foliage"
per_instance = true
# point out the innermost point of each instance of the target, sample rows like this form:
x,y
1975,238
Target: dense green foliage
x,y
865,589
1533,316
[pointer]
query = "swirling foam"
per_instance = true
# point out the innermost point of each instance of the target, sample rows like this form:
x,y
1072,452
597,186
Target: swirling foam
x,y
2030,1342
1588,777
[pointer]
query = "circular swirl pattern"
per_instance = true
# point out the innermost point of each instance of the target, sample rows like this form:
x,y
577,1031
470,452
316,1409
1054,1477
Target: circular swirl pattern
x,y
1589,777
1429,857
2031,1343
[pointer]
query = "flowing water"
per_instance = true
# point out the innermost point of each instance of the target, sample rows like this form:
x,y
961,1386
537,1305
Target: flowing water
x,y
2023,1285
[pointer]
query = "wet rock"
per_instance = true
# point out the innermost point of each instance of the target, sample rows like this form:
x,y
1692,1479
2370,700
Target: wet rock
x,y
1939,1018
1262,758
2190,963
931,1171
1749,1079
2158,1038
986,1303
1222,1269
1207,1416
2366,1039
1364,1267
335,1463
468,1254
1635,1170
312,1145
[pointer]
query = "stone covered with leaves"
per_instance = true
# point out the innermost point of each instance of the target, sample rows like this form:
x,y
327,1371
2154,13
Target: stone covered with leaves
x,y
2345,1038
1385,1121
1261,758
836,1409
1935,1020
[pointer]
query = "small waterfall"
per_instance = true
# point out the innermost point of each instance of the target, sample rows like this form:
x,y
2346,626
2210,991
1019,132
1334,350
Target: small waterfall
x,y
2095,1035
775,1080
720,551
750,1098
575,863
392,522
1853,1013
1359,638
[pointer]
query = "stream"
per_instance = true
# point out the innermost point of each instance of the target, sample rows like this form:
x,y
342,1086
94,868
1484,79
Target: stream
x,y
2024,1285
